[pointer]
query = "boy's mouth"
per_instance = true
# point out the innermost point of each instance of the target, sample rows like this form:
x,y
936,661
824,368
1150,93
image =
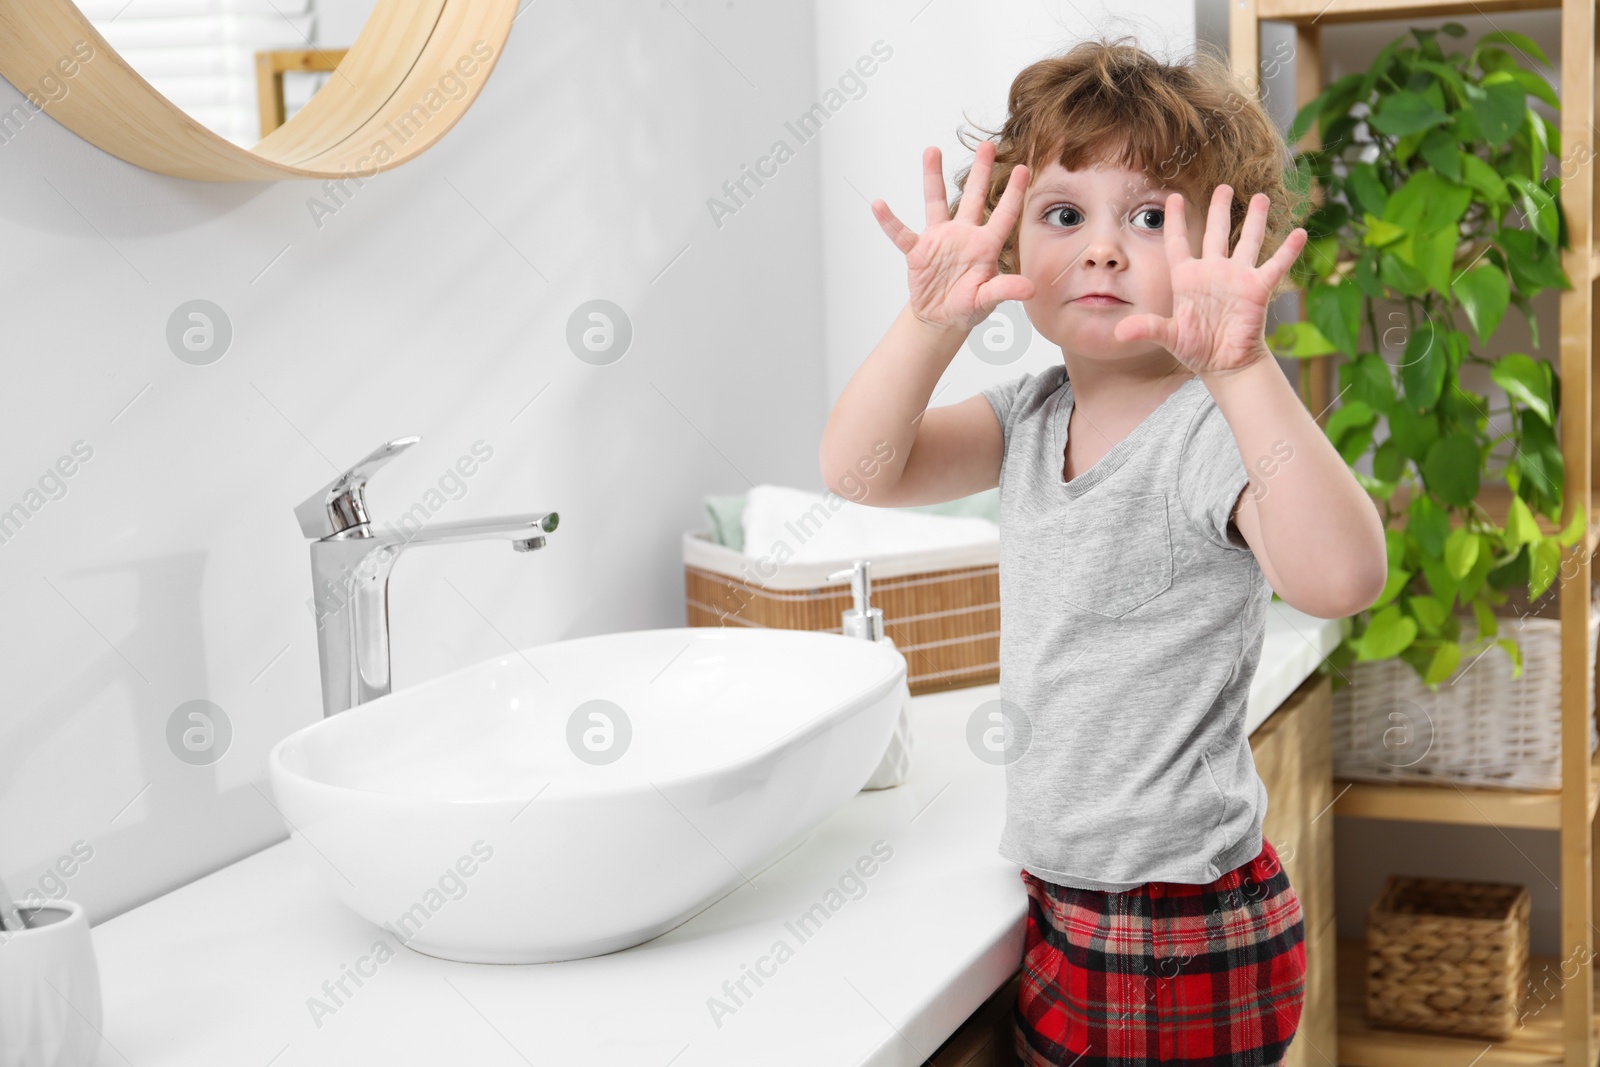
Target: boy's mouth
x,y
1097,300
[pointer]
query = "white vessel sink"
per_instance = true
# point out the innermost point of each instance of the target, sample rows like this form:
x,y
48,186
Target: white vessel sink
x,y
458,815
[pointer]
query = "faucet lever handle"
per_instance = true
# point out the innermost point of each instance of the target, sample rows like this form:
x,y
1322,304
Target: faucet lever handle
x,y
342,503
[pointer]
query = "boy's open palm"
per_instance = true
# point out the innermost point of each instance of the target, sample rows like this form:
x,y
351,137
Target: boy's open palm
x,y
1219,301
953,266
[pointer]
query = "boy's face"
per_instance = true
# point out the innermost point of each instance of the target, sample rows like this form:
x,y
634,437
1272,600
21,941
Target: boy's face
x,y
1098,230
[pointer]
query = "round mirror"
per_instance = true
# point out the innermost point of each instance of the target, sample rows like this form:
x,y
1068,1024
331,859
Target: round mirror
x,y
254,90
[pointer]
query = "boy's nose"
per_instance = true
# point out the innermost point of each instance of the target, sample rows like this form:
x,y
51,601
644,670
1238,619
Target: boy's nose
x,y
1101,253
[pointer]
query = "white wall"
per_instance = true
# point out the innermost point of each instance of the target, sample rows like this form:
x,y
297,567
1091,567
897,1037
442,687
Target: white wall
x,y
434,303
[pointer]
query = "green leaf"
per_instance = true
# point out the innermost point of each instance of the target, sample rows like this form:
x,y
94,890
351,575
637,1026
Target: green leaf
x,y
1488,625
1483,178
1445,661
1447,75
1367,378
1336,312
1450,470
1430,613
1484,295
1391,589
1423,368
1432,253
1498,105
1521,42
1439,149
1321,254
1380,233
1405,112
1351,415
1538,459
1461,551
1538,206
1299,340
1428,202
1366,278
1544,564
1388,634
1371,195
1528,380
1400,276
1533,83
1304,118
1521,527
1534,267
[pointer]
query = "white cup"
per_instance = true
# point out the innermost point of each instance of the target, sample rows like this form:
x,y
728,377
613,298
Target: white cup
x,y
49,990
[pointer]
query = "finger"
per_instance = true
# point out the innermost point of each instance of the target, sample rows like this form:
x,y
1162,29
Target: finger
x,y
1147,327
935,203
1215,241
1003,287
1273,270
904,239
1004,216
1255,224
975,190
1175,225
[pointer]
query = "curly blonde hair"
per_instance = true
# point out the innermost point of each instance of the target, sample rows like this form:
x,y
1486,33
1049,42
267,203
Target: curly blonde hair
x,y
1190,126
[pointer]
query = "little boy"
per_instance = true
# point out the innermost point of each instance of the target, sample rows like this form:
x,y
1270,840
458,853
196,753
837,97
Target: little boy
x,y
1135,569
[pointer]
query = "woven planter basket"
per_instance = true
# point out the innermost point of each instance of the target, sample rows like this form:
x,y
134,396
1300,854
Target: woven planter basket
x,y
1480,729
1447,956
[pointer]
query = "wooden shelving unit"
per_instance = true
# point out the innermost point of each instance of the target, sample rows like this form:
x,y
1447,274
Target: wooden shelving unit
x,y
1561,1025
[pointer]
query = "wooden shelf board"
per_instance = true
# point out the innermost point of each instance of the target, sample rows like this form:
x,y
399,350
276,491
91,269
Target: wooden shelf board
x,y
1320,12
1539,1040
1418,802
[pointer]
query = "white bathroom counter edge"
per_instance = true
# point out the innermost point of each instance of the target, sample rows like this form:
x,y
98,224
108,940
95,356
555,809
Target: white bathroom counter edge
x,y
225,968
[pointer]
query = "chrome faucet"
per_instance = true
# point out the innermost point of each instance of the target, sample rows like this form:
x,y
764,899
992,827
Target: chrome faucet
x,y
350,565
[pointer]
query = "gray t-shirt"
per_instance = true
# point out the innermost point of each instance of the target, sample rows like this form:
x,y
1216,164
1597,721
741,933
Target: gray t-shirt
x,y
1131,620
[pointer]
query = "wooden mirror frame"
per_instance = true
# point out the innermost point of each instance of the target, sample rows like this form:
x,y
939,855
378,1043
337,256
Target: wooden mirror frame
x,y
387,103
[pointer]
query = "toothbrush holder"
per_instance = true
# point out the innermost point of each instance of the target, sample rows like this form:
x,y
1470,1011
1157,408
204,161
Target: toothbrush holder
x,y
49,989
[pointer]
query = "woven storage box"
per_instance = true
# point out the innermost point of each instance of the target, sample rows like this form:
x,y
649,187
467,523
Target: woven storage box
x,y
941,609
1480,729
1447,956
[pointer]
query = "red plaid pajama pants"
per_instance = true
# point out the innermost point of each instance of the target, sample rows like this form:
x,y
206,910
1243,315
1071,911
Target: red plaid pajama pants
x,y
1168,973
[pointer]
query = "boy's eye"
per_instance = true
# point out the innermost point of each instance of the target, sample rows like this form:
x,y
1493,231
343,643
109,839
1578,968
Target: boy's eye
x,y
1159,213
1063,208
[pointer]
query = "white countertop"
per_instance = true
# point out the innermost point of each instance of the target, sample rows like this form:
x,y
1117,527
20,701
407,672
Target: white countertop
x,y
220,971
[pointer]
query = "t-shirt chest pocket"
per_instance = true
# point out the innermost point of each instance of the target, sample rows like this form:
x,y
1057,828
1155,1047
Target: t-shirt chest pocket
x,y
1116,554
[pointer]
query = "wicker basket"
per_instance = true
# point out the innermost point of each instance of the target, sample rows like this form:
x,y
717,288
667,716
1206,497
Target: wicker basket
x,y
1480,728
941,609
1447,956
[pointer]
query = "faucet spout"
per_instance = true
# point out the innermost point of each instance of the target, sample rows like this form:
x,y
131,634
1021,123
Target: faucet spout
x,y
350,565
508,527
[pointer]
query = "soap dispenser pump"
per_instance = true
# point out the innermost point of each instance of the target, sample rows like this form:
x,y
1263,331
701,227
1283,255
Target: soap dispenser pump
x,y
865,622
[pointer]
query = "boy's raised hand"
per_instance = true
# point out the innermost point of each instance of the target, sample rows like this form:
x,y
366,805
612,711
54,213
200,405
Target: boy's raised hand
x,y
1219,301
953,266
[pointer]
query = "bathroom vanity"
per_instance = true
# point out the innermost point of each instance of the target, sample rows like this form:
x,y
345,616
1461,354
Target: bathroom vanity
x,y
890,935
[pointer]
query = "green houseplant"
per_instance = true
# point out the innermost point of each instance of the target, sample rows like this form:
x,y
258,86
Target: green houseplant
x,y
1431,174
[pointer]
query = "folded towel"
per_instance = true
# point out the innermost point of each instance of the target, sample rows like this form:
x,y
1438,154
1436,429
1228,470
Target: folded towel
x,y
792,524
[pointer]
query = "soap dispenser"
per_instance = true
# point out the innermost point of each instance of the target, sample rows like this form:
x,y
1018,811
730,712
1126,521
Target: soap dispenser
x,y
863,621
